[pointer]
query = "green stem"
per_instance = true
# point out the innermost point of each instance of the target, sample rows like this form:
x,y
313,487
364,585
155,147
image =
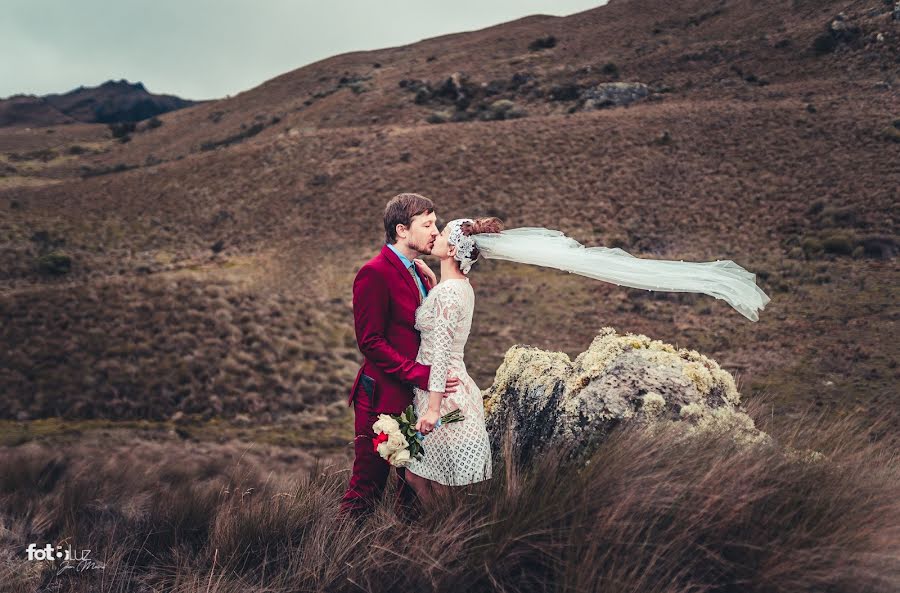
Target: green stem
x,y
451,417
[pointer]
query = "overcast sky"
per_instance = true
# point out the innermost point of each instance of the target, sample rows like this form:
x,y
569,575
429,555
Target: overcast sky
x,y
207,49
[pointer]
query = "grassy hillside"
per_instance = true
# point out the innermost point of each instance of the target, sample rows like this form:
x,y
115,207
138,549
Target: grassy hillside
x,y
204,266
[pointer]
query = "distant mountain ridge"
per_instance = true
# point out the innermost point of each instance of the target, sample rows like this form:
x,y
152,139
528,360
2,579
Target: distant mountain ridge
x,y
113,101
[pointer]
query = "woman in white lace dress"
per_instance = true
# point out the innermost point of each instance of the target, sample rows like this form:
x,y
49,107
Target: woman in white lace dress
x,y
458,453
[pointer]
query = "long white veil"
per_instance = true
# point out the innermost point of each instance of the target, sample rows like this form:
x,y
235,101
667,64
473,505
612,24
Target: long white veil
x,y
545,247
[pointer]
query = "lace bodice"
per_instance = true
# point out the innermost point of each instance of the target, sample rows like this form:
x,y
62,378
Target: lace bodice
x,y
457,453
444,319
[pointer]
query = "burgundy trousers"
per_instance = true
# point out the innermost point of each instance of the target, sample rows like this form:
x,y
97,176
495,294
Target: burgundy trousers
x,y
370,471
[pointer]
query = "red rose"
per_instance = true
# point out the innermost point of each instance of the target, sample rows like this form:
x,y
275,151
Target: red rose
x,y
382,437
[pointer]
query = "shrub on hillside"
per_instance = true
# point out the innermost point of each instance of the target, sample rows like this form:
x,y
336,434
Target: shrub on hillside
x,y
546,42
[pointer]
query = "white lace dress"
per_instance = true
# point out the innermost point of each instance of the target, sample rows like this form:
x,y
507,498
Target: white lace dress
x,y
457,453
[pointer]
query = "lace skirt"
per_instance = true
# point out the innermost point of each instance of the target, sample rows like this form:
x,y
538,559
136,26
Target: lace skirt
x,y
459,453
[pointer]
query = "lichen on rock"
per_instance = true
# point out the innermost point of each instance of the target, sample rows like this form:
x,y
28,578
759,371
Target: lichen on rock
x,y
527,367
653,404
719,421
547,399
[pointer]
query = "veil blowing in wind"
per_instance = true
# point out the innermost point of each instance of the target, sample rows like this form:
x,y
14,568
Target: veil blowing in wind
x,y
722,279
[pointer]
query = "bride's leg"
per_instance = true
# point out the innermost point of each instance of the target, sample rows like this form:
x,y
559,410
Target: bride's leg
x,y
427,490
420,485
438,490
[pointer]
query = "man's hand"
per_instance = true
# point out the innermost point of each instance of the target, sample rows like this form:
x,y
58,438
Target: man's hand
x,y
450,387
425,271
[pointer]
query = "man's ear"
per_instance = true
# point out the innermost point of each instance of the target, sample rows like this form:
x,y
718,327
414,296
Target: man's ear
x,y
401,231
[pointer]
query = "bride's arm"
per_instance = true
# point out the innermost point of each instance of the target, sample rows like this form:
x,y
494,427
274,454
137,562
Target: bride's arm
x,y
448,306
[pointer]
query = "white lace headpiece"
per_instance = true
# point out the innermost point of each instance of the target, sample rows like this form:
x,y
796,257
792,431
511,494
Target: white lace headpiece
x,y
464,244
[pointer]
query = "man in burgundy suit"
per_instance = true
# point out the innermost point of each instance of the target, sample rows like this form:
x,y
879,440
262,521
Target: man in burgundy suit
x,y
386,292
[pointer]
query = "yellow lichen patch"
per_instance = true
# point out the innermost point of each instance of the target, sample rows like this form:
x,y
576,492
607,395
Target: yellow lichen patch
x,y
653,404
660,345
704,372
593,361
722,420
638,340
525,367
692,411
691,354
699,376
730,392
661,357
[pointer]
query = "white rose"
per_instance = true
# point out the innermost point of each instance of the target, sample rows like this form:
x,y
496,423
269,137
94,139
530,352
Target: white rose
x,y
386,450
385,424
401,457
396,440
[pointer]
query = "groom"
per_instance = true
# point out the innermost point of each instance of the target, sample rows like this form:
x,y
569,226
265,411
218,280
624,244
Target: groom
x,y
386,292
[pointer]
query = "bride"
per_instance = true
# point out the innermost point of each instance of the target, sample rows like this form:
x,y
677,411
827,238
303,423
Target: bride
x,y
458,453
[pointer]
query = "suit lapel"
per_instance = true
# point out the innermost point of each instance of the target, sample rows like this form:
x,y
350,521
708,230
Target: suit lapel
x,y
407,277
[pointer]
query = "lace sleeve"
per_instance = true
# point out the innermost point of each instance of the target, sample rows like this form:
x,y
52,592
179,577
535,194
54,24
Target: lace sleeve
x,y
447,308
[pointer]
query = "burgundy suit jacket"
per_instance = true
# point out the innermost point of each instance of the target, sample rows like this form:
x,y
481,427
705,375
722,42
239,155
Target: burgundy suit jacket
x,y
385,298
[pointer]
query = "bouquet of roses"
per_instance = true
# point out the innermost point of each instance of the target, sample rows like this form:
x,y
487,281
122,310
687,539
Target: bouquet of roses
x,y
397,439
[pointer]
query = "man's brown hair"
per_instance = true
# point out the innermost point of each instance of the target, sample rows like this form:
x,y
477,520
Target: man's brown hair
x,y
401,210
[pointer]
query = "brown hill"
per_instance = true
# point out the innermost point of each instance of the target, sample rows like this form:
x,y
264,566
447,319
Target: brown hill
x,y
701,49
767,135
30,110
113,101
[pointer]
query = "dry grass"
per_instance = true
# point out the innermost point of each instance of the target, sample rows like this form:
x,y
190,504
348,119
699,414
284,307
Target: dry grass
x,y
181,342
646,514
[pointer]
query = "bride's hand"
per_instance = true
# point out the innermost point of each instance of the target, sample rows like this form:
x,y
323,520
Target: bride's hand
x,y
425,270
426,423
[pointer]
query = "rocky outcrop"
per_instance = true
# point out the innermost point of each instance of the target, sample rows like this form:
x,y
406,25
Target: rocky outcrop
x,y
111,102
462,99
614,94
837,31
548,400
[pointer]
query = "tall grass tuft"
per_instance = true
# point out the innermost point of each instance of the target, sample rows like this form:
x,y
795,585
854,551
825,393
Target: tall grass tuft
x,y
648,513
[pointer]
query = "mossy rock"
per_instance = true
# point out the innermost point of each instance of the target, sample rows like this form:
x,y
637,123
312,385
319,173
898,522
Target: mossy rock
x,y
548,400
